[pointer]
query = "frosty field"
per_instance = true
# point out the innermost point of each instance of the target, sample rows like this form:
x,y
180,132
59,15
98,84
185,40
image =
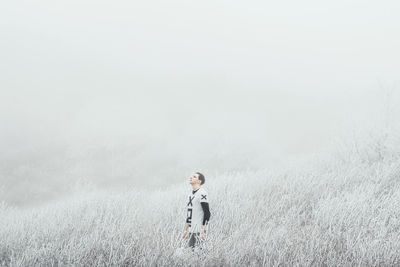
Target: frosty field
x,y
110,111
341,210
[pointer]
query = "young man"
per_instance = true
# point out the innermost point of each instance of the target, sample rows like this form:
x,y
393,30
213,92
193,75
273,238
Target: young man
x,y
198,212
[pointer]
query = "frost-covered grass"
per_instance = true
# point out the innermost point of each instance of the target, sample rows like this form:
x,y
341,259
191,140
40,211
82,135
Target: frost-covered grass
x,y
326,212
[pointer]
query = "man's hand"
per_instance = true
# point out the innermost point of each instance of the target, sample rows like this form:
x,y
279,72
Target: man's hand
x,y
184,235
202,236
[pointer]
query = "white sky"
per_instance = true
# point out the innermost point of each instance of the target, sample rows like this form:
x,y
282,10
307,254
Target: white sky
x,y
282,76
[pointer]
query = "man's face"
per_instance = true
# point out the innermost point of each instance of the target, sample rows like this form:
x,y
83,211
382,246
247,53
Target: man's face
x,y
194,179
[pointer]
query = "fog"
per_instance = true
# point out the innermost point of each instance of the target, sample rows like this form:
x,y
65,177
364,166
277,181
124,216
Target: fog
x,y
142,94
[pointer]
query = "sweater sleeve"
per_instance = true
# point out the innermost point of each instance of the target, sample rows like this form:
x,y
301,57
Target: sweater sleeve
x,y
206,212
203,196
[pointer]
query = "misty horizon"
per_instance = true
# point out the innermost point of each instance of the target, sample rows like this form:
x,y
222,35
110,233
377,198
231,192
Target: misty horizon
x,y
136,95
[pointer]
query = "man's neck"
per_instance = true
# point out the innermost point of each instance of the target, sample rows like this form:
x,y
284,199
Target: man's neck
x,y
195,187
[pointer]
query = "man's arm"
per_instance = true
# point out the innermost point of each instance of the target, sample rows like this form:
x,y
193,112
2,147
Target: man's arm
x,y
185,231
206,215
187,224
186,228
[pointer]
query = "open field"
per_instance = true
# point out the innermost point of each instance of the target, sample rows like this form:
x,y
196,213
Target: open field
x,y
338,210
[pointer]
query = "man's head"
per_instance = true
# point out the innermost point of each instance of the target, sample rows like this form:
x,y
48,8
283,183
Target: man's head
x,y
197,178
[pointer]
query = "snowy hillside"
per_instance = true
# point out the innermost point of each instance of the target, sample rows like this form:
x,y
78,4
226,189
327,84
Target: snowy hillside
x,y
336,210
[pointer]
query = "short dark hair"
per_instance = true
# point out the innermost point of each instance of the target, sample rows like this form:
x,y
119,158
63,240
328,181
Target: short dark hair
x,y
201,178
